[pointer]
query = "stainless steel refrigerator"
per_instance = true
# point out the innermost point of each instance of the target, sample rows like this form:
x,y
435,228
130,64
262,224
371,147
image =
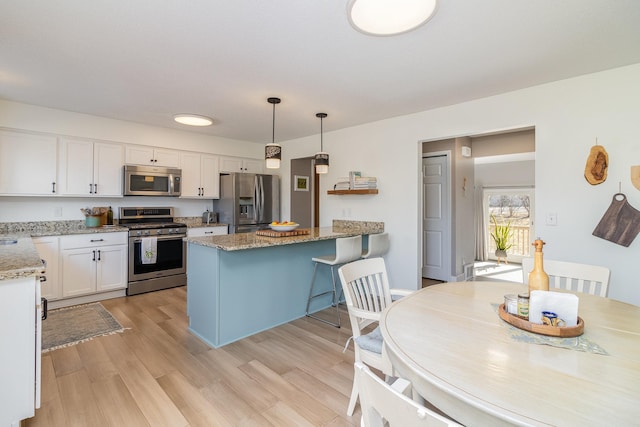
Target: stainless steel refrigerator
x,y
248,202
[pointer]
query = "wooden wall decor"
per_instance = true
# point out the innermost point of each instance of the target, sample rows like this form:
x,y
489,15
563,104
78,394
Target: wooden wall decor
x,y
595,170
635,176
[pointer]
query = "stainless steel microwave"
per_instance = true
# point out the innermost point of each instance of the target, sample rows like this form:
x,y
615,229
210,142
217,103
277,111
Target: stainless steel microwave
x,y
151,181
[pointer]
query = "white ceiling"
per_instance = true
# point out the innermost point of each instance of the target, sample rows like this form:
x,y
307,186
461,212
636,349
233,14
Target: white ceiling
x,y
146,60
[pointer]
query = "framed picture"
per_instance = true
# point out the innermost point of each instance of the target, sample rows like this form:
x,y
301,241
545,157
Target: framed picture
x,y
300,183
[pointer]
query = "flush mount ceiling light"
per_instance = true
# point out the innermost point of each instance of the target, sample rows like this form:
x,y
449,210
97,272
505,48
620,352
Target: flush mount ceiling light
x,y
273,151
193,120
389,17
321,158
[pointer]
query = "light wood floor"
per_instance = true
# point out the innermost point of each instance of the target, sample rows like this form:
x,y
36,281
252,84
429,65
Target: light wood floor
x,y
157,374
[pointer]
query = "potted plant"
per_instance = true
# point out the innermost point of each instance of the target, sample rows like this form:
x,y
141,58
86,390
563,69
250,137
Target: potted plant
x,y
501,235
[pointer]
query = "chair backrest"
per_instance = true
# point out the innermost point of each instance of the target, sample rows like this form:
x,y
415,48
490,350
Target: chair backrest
x,y
378,245
380,402
366,289
590,279
348,249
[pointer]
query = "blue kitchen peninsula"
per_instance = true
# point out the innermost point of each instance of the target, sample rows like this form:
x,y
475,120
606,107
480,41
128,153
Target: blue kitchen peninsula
x,y
242,284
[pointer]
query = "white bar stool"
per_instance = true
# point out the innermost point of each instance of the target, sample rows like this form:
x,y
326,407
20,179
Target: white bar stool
x,y
378,245
347,249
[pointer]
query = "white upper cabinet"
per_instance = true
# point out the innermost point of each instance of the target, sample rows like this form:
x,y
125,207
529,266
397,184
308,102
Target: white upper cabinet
x,y
90,168
28,164
241,165
200,176
140,155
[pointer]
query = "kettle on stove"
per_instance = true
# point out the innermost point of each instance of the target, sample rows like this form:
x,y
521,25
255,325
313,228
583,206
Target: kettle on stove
x,y
209,217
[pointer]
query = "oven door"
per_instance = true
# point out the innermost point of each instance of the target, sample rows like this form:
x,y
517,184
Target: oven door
x,y
170,259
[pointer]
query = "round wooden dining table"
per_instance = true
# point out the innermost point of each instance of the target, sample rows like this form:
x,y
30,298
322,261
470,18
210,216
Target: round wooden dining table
x,y
450,342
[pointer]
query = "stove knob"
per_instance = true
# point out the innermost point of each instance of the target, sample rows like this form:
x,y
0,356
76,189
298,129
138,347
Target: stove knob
x,y
158,232
146,232
139,233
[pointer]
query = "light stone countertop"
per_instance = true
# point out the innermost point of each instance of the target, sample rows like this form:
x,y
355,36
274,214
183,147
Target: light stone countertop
x,y
20,259
243,241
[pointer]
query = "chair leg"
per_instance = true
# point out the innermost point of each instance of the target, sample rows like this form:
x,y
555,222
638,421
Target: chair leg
x,y
354,397
311,296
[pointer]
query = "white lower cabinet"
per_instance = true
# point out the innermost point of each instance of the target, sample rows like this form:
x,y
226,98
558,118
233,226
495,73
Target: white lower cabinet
x,y
214,230
93,263
48,249
19,351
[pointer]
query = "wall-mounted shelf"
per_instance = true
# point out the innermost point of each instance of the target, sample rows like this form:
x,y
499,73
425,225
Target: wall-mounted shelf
x,y
341,192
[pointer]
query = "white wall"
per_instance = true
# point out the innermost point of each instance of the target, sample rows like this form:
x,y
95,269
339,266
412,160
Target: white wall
x,y
58,122
567,115
507,173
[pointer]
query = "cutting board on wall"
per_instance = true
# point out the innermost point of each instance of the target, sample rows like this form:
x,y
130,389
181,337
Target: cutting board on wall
x,y
620,223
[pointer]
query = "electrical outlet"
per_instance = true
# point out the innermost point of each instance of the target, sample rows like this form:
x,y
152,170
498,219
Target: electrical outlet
x,y
551,218
57,212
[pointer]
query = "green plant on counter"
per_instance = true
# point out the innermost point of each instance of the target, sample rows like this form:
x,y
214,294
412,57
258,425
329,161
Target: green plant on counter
x,y
502,235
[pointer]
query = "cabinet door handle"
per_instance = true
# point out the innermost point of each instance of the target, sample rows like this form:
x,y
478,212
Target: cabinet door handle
x,y
53,187
45,311
208,232
95,188
94,256
90,188
99,255
96,240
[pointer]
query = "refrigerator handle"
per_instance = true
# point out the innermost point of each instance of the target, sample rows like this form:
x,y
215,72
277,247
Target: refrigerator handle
x,y
261,199
256,200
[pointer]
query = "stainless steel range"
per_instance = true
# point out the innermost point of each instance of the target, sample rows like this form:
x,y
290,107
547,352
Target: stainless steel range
x,y
157,251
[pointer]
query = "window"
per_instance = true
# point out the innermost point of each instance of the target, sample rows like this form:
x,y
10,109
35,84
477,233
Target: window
x,y
514,206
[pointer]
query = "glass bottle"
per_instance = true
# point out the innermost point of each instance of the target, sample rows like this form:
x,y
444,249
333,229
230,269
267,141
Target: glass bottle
x,y
110,216
538,279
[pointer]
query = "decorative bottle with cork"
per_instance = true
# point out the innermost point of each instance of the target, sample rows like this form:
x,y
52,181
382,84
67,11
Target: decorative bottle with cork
x,y
538,279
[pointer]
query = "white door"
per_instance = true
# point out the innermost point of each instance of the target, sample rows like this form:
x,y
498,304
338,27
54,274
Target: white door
x,y
78,271
210,180
76,167
190,165
107,169
28,163
436,219
111,268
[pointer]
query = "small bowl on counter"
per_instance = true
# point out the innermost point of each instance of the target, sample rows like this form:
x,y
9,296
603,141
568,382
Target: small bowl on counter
x,y
284,227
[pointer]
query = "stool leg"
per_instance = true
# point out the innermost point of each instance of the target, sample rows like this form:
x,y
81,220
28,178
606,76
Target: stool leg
x,y
311,296
336,301
313,279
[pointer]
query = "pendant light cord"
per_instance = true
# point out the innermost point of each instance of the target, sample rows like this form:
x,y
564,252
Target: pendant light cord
x,y
273,125
321,116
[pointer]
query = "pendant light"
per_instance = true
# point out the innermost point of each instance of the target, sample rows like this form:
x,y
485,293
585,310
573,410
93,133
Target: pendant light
x,y
321,158
273,151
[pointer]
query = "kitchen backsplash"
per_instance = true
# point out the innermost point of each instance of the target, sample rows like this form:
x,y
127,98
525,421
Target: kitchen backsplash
x,y
366,227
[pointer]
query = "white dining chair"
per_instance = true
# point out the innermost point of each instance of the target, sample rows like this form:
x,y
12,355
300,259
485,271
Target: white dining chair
x,y
377,245
367,294
389,405
590,279
347,249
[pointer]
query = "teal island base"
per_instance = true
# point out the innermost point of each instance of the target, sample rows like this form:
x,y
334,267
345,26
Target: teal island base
x,y
235,294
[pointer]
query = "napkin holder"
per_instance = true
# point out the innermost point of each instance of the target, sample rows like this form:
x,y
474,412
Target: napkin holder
x,y
564,305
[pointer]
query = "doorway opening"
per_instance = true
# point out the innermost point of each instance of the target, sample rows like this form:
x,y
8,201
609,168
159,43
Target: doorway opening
x,y
513,207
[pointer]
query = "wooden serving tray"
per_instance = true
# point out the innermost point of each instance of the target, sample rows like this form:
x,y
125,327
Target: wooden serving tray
x,y
274,233
552,331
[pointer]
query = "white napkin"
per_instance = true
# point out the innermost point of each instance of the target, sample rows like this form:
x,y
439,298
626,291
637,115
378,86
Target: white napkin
x,y
564,305
149,250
